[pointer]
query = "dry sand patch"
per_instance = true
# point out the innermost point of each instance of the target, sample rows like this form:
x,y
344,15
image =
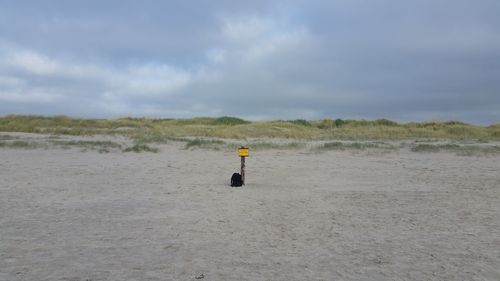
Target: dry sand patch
x,y
335,215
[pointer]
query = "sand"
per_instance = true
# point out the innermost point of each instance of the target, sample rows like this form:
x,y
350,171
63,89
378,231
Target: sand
x,y
338,215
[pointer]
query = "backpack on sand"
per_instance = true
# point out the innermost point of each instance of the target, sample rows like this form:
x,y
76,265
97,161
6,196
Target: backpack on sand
x,y
236,180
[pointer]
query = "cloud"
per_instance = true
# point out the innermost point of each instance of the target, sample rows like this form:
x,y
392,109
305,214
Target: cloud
x,y
149,80
29,77
251,39
31,62
288,59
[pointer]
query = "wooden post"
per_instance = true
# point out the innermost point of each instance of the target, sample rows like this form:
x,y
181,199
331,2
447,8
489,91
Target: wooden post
x,y
243,170
243,152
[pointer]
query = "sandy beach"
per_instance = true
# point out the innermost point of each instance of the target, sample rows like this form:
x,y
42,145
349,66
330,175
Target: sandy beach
x,y
302,215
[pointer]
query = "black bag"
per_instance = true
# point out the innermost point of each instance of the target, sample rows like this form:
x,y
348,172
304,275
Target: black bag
x,y
236,180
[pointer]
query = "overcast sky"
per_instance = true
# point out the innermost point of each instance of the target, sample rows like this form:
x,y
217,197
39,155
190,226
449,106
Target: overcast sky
x,y
402,60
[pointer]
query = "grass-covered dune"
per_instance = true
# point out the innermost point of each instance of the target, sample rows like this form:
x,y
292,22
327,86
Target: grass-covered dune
x,y
160,130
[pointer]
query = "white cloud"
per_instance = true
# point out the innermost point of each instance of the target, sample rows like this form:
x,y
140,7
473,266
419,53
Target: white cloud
x,y
246,45
28,97
20,69
280,42
253,39
35,63
149,80
32,62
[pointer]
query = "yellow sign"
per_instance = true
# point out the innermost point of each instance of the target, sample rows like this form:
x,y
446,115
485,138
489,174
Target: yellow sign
x,y
243,152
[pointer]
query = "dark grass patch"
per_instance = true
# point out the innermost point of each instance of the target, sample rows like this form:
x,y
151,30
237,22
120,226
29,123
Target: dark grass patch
x,y
463,150
272,145
227,120
157,138
426,140
300,122
350,146
7,137
87,143
474,150
203,143
137,148
19,144
425,147
332,146
100,146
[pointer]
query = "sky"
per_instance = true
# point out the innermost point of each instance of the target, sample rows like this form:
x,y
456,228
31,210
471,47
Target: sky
x,y
259,60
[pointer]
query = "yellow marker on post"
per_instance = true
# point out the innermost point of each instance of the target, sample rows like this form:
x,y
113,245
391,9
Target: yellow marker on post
x,y
243,152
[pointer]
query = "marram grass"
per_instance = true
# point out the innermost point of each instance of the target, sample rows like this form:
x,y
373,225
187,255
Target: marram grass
x,y
150,130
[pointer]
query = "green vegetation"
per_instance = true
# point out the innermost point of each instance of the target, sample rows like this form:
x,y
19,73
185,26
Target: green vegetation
x,y
229,132
22,144
301,122
141,148
425,147
226,120
148,130
7,137
465,150
353,146
100,146
203,143
272,145
84,145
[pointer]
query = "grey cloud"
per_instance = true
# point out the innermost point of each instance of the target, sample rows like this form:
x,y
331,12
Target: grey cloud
x,y
289,59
